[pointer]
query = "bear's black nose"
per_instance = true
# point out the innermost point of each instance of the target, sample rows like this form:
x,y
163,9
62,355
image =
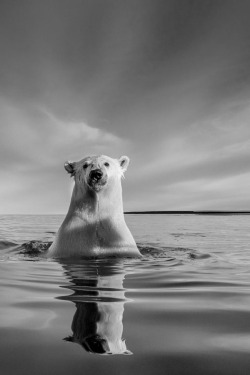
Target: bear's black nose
x,y
96,174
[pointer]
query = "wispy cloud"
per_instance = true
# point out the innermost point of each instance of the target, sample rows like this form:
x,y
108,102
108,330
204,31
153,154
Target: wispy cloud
x,y
38,136
206,165
34,144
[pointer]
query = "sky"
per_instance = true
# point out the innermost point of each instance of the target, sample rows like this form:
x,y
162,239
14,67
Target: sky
x,y
165,82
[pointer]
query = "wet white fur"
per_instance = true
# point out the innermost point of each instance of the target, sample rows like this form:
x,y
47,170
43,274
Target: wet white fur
x,y
94,224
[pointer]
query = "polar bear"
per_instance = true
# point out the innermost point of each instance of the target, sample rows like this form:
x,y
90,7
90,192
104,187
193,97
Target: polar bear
x,y
94,225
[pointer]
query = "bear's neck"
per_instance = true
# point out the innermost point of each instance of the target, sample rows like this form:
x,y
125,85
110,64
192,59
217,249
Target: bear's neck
x,y
89,205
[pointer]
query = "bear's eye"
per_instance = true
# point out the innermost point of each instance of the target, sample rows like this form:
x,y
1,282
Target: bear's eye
x,y
106,164
85,166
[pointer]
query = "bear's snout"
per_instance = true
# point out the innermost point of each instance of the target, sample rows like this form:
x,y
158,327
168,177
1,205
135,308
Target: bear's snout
x,y
97,179
96,174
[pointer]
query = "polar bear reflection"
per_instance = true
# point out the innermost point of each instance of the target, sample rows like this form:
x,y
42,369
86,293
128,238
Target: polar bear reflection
x,y
99,299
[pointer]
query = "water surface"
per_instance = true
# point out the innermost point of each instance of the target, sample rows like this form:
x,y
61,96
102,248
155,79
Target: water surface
x,y
184,308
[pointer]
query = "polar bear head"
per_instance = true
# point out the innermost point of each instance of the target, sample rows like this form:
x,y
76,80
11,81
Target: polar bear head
x,y
97,172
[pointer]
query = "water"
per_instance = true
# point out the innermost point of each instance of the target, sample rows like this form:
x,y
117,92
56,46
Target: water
x,y
184,308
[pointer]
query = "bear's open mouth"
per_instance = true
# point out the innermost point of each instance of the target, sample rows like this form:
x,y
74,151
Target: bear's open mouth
x,y
97,184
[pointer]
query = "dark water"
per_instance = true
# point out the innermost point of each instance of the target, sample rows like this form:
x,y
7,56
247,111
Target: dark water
x,y
184,308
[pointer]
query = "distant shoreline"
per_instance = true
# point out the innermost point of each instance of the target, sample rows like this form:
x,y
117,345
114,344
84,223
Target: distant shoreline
x,y
151,213
188,212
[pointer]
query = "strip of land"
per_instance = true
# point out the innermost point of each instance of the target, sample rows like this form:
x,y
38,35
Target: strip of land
x,y
189,212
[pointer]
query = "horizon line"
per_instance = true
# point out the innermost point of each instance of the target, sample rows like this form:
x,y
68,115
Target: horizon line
x,y
193,212
186,212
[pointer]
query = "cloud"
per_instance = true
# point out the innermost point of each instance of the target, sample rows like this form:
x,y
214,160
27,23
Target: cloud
x,y
34,145
36,136
78,138
198,165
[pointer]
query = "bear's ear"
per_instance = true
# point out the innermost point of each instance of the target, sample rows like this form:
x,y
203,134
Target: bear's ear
x,y
124,162
70,167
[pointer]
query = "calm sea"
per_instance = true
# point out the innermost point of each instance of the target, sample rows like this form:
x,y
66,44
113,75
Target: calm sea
x,y
184,308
